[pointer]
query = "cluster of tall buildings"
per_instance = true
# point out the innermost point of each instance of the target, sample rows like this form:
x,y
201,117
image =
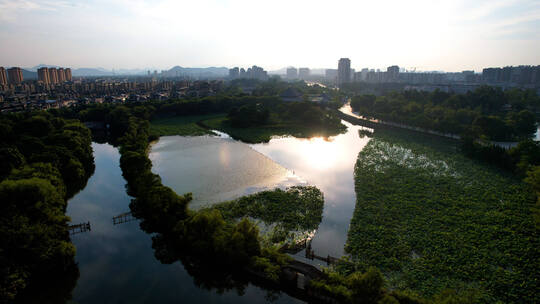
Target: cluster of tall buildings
x,y
344,73
13,76
53,75
254,72
523,74
526,76
300,73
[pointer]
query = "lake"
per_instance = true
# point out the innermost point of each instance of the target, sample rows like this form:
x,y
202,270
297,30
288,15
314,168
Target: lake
x,y
117,263
327,163
218,169
215,169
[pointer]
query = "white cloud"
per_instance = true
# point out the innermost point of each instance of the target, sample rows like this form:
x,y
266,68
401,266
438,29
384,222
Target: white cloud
x,y
134,33
11,9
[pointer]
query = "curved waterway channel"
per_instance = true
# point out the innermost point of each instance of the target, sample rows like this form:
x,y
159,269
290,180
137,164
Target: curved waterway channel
x,y
117,263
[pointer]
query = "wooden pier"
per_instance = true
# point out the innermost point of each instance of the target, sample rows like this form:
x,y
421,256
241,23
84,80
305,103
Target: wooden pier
x,y
79,228
123,218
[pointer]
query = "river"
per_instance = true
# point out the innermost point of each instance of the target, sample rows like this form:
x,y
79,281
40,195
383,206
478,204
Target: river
x,y
116,262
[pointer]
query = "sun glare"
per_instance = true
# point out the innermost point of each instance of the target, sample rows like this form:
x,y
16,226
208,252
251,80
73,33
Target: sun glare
x,y
319,153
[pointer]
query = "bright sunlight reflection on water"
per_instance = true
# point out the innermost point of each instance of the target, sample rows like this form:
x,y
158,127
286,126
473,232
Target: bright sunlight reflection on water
x,y
329,165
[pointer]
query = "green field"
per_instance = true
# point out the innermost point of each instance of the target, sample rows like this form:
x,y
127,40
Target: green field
x,y
181,125
258,134
431,219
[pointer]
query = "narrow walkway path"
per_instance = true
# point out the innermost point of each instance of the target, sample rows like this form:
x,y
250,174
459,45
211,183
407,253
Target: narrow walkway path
x,y
347,114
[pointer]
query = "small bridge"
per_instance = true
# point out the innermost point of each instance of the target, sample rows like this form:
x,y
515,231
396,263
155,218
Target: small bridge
x,y
310,253
123,218
79,228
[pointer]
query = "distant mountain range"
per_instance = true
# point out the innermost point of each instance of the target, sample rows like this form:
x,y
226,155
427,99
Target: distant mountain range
x,y
177,71
31,73
91,71
196,72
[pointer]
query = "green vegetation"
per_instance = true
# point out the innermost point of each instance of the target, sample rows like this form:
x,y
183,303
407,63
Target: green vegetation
x,y
533,179
414,220
256,123
217,252
298,208
488,112
44,161
431,219
244,122
181,125
210,248
274,86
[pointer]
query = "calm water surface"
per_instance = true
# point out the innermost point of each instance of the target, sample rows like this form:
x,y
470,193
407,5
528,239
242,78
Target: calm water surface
x,y
217,169
329,165
117,263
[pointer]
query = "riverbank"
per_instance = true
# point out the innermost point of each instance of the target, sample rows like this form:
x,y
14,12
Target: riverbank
x,y
263,133
181,125
347,114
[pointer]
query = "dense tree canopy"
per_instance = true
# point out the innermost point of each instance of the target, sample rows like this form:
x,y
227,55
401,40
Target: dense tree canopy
x,y
486,112
44,161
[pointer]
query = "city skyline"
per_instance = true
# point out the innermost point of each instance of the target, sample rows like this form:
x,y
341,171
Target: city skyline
x,y
427,35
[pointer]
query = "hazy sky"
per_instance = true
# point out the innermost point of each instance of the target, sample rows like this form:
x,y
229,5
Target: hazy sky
x,y
449,35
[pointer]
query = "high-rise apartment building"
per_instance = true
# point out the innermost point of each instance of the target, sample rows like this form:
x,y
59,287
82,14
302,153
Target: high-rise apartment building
x,y
292,73
303,73
331,74
67,73
53,76
344,71
3,76
61,75
15,75
234,72
43,75
256,73
392,73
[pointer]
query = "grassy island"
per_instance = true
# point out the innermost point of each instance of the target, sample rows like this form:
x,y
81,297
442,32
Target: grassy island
x,y
296,209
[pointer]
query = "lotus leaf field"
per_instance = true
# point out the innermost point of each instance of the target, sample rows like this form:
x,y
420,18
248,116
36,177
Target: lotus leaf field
x,y
431,219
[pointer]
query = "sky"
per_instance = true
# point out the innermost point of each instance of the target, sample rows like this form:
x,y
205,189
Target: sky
x,y
449,35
